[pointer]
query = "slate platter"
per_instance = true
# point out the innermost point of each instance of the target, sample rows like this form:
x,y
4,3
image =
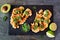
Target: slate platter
x,y
30,19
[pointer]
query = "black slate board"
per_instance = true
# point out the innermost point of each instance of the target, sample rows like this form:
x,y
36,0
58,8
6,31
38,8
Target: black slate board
x,y
29,20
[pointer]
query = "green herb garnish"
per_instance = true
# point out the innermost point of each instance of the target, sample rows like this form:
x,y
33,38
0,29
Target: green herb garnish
x,y
15,20
46,13
36,20
35,27
41,26
26,12
17,11
5,18
47,21
34,7
41,19
25,27
19,18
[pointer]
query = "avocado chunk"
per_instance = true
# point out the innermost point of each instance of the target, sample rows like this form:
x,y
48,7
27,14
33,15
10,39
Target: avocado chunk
x,y
5,8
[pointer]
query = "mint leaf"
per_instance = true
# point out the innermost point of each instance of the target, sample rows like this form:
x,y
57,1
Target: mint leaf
x,y
5,18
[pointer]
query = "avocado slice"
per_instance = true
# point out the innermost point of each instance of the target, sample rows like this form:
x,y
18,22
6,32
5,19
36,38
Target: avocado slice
x,y
5,8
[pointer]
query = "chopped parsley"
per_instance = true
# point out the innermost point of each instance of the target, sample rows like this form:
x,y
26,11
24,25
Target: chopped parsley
x,y
47,21
41,26
17,11
36,20
34,7
35,27
25,27
5,18
46,13
41,19
19,18
26,12
15,20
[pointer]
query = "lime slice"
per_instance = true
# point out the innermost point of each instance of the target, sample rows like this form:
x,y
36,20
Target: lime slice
x,y
50,34
53,27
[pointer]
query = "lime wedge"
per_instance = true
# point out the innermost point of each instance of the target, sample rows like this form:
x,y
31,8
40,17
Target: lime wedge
x,y
50,34
53,27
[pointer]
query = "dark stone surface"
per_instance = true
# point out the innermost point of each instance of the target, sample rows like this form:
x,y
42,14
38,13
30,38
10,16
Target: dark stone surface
x,y
4,25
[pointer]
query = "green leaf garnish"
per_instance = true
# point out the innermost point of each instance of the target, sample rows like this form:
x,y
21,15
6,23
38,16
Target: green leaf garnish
x,y
26,12
17,11
15,20
36,20
41,26
41,19
5,18
35,27
25,27
46,13
34,7
19,18
47,21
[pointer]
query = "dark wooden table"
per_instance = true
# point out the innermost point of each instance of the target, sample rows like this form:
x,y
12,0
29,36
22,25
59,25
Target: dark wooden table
x,y
4,25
